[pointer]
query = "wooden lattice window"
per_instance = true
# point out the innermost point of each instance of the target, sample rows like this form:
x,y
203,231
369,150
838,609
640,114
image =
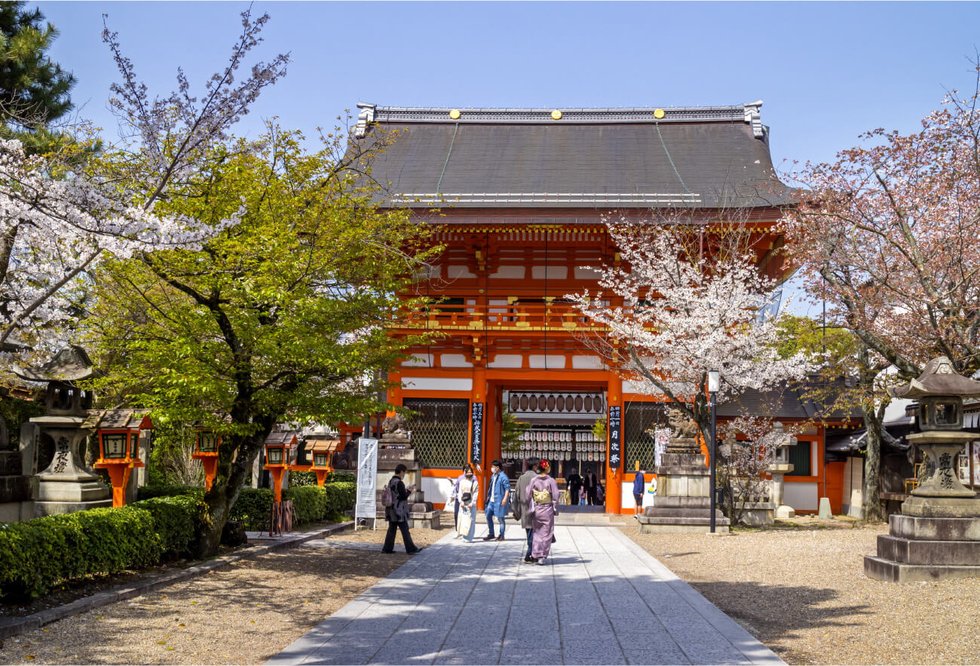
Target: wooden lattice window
x,y
440,429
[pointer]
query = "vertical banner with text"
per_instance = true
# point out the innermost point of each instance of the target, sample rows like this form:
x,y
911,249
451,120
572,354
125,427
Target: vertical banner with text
x,y
476,433
615,437
367,478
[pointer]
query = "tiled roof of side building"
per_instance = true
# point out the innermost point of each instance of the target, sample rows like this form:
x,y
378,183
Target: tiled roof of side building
x,y
702,157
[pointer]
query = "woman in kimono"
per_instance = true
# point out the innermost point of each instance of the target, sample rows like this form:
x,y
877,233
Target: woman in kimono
x,y
469,488
542,499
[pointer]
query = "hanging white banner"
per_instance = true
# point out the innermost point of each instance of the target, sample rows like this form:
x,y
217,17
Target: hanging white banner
x,y
367,478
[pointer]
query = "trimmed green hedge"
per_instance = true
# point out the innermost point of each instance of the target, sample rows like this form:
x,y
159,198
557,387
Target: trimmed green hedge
x,y
149,492
176,520
310,504
38,554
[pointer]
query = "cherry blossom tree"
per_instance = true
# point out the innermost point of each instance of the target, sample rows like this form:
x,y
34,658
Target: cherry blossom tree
x,y
887,237
686,298
61,213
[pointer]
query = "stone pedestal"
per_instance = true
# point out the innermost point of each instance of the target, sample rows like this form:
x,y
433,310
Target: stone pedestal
x,y
778,484
937,535
67,485
16,489
393,449
683,502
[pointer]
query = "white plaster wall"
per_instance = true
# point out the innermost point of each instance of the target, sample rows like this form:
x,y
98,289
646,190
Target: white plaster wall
x,y
801,496
637,387
549,361
437,490
418,361
506,361
453,272
509,273
437,383
586,273
853,500
454,361
549,272
587,363
627,495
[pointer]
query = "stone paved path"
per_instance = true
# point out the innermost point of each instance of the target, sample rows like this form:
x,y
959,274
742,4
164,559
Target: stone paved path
x,y
601,599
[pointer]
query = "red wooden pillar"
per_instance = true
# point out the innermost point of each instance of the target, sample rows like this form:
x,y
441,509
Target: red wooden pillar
x,y
614,477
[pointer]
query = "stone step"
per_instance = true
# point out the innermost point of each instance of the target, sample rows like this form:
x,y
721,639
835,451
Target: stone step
x,y
918,551
900,572
934,529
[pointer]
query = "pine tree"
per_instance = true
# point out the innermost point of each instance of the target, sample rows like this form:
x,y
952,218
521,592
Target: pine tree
x,y
34,90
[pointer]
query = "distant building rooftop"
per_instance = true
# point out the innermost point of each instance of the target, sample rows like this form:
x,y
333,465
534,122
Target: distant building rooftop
x,y
699,157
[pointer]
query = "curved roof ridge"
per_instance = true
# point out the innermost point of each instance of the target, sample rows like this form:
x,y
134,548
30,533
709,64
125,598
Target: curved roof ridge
x,y
372,113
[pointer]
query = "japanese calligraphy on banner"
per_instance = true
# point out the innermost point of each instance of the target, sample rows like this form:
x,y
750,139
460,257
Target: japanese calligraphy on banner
x,y
476,433
367,479
615,437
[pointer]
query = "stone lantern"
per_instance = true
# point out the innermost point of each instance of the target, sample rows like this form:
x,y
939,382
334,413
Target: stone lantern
x,y
66,484
780,467
937,534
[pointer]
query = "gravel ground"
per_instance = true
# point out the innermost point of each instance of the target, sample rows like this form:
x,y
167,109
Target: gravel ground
x,y
243,614
802,591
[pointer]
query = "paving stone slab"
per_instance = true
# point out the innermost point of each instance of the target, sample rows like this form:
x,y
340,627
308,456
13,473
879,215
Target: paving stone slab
x,y
599,599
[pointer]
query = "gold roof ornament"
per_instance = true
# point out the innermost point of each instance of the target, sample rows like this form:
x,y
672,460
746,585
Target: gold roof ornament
x,y
454,114
659,113
556,115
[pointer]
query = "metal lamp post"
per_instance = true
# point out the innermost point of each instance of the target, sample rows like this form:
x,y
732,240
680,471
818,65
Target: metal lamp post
x,y
714,384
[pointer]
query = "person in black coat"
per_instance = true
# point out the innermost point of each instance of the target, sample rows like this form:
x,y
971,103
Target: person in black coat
x,y
574,487
591,487
397,513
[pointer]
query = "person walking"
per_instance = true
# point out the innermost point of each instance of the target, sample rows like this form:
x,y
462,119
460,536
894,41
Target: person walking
x,y
469,488
522,509
542,497
397,513
591,484
498,497
639,483
574,486
454,495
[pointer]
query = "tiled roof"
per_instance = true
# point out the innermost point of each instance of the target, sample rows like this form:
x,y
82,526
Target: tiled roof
x,y
707,157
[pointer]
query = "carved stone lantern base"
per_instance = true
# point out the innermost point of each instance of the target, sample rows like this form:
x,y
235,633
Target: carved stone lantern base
x,y
682,503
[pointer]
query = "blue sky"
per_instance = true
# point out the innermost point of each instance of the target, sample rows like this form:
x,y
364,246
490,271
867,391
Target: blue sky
x,y
826,71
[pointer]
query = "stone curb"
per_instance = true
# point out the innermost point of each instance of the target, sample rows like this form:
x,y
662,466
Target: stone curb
x,y
21,625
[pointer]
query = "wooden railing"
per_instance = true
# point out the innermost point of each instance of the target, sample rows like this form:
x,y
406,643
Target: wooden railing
x,y
515,316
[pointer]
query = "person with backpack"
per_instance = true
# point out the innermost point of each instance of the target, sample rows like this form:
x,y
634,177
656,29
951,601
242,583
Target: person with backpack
x,y
394,498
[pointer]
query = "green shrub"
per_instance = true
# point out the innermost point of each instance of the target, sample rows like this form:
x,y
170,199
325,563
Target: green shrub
x,y
148,492
297,479
341,476
38,554
340,498
176,520
252,508
309,503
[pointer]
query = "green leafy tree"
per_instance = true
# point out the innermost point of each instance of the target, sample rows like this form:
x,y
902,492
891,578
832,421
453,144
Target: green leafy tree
x,y
34,90
281,318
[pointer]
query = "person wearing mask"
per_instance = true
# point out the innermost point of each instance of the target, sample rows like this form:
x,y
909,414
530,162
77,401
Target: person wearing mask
x,y
639,483
397,513
469,488
522,510
498,497
542,498
454,495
